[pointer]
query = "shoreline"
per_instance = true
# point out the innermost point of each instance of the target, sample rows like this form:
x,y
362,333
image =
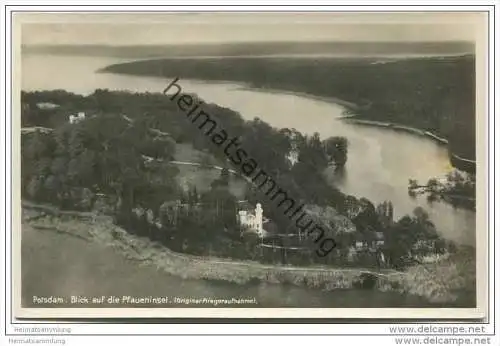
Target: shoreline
x,y
353,118
303,94
421,280
412,130
92,218
241,85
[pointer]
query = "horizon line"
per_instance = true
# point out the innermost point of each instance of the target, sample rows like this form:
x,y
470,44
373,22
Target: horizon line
x,y
471,42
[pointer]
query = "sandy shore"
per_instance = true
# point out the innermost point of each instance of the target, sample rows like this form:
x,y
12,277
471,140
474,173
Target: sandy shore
x,y
335,100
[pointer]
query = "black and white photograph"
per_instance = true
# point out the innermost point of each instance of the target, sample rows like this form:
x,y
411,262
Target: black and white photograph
x,y
252,163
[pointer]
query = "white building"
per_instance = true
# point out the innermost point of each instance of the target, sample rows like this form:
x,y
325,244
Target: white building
x,y
360,245
252,221
46,105
73,119
293,157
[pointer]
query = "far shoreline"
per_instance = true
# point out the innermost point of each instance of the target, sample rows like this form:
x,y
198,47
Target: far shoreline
x,y
349,106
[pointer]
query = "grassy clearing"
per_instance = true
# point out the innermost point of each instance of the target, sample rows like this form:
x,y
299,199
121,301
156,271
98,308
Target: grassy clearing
x,y
186,152
202,177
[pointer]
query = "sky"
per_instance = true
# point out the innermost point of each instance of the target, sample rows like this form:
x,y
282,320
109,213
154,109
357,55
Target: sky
x,y
193,28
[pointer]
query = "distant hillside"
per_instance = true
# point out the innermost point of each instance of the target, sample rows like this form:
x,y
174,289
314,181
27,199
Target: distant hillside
x,y
433,94
260,48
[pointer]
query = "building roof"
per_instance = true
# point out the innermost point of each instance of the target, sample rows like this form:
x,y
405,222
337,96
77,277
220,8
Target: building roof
x,y
46,105
245,205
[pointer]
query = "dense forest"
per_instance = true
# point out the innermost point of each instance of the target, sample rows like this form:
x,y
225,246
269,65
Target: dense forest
x,y
99,164
433,94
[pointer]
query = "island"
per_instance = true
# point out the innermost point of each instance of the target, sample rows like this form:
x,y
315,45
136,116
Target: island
x,y
131,166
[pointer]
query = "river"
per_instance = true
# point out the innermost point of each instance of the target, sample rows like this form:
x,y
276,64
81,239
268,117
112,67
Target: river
x,y
380,160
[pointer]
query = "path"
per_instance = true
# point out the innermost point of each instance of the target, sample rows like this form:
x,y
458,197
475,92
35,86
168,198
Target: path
x,y
33,129
195,164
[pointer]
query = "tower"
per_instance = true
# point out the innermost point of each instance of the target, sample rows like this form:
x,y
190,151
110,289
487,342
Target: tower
x,y
258,218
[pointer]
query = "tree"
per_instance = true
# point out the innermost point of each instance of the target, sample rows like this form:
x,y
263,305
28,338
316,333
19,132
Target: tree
x,y
336,149
402,236
34,188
